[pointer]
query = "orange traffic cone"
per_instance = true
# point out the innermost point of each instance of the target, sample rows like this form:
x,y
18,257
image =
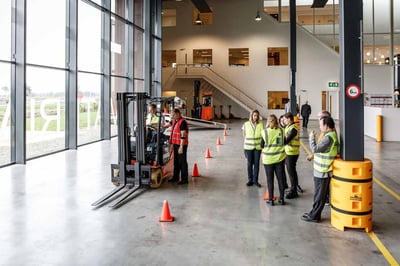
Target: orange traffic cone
x,y
266,195
218,141
208,155
165,214
225,134
195,172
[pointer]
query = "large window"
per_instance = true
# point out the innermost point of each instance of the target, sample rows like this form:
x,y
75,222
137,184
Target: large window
x,y
202,57
89,38
45,81
277,99
45,111
45,47
118,38
139,57
5,29
5,108
278,56
168,58
238,56
89,115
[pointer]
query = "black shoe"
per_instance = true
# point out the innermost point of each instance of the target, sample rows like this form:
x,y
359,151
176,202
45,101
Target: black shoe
x,y
271,202
281,202
173,180
299,189
306,217
292,195
257,184
249,184
183,182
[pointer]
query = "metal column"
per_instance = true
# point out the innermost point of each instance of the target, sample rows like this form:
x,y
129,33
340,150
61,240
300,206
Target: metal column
x,y
351,81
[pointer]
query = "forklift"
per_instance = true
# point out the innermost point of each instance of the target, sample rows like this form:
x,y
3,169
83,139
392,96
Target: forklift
x,y
144,156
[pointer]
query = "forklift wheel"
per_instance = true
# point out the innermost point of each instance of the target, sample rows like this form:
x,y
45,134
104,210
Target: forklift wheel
x,y
156,177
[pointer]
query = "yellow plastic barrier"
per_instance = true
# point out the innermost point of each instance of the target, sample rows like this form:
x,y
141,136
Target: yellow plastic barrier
x,y
297,122
351,194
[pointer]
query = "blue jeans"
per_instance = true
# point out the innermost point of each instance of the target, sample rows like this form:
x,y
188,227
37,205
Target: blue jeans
x,y
253,164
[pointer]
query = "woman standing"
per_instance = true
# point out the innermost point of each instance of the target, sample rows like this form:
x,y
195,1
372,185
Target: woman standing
x,y
292,149
252,146
274,157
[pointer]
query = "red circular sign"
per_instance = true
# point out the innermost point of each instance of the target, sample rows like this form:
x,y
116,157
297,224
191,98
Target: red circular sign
x,y
353,91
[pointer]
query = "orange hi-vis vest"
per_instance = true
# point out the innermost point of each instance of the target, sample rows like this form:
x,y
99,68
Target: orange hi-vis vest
x,y
175,137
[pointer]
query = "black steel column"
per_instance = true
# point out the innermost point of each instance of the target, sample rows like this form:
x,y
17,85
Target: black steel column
x,y
351,85
293,55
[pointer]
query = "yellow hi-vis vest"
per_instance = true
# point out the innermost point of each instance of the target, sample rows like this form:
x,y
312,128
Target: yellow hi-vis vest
x,y
152,119
274,149
252,139
293,147
323,161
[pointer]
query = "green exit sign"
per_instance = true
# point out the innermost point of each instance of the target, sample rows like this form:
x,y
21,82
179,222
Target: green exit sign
x,y
333,84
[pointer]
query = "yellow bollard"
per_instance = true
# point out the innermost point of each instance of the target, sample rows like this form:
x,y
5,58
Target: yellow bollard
x,y
379,128
351,194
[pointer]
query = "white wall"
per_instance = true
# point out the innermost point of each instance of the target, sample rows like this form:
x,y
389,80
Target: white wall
x,y
390,126
234,27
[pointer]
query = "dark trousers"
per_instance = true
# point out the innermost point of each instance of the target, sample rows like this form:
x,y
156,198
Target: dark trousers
x,y
321,186
291,161
305,121
253,164
180,164
277,169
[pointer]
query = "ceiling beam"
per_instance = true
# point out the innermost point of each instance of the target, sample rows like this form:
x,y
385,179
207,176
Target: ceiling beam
x,y
202,6
319,3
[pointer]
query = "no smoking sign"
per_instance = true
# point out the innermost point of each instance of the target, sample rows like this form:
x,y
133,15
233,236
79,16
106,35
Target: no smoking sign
x,y
353,91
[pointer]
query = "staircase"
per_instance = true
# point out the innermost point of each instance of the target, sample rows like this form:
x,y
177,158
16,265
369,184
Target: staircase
x,y
216,82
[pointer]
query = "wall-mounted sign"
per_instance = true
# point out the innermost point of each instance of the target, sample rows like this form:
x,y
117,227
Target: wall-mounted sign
x,y
353,91
333,84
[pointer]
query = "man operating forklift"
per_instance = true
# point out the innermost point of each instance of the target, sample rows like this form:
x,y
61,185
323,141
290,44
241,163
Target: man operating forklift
x,y
179,139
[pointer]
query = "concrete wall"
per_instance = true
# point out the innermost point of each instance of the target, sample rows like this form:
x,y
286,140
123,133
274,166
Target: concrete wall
x,y
234,27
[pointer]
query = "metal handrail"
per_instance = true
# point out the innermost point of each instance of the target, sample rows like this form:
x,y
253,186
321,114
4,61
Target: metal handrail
x,y
188,67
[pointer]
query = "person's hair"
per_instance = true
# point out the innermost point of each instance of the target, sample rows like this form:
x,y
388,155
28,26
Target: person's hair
x,y
272,122
251,115
176,110
153,105
328,121
324,113
289,115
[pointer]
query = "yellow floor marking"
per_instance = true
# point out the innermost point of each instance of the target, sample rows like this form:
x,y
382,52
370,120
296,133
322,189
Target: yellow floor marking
x,y
394,194
390,259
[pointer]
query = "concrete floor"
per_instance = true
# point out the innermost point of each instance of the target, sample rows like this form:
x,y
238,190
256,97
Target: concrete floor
x,y
46,217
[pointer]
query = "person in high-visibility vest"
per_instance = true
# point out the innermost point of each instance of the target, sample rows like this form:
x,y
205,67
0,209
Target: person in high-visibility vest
x,y
292,149
325,153
179,139
274,155
252,146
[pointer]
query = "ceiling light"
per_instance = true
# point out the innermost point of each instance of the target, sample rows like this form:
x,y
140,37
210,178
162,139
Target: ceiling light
x,y
258,17
198,19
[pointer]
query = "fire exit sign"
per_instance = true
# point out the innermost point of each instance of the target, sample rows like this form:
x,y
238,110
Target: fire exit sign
x,y
333,84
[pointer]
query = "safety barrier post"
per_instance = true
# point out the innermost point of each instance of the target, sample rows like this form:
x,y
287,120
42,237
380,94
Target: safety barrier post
x,y
379,128
351,194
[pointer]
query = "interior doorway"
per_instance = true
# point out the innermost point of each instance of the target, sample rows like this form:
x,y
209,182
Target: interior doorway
x,y
330,102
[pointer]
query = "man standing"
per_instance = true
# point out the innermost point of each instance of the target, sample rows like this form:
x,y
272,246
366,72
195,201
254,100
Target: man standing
x,y
325,152
179,138
305,113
